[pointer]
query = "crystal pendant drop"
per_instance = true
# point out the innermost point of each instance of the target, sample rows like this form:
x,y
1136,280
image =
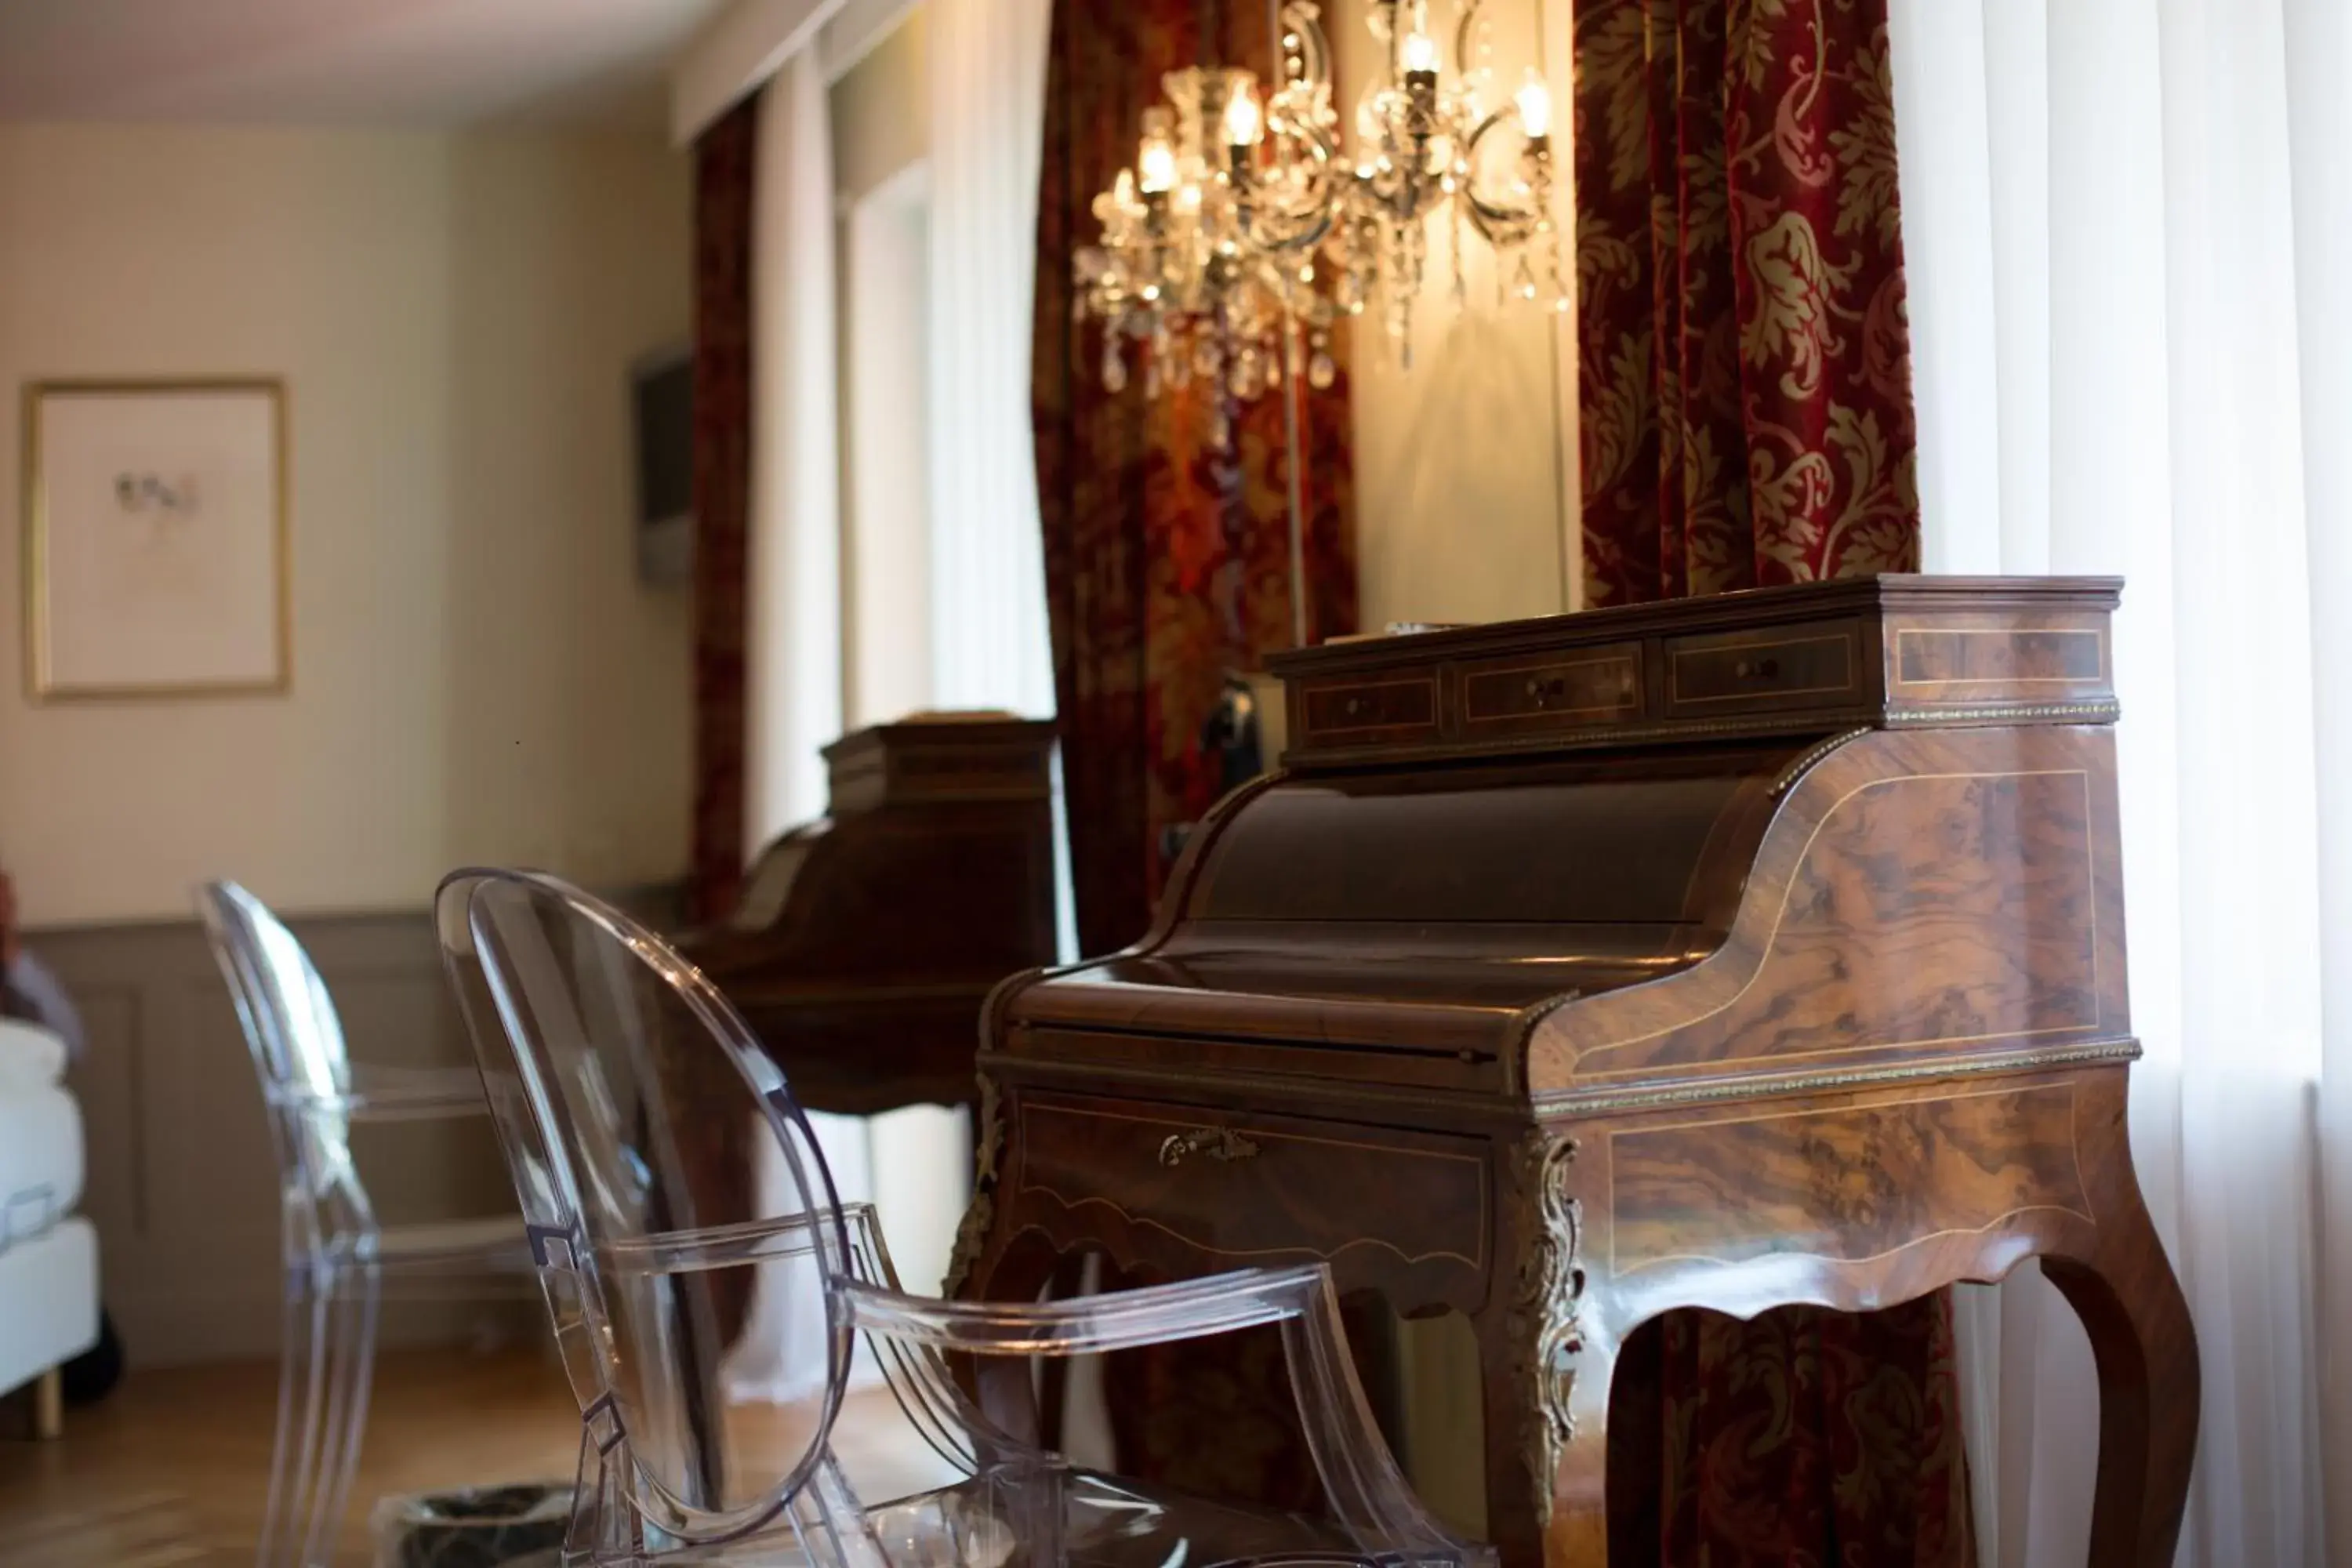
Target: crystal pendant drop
x,y
1320,371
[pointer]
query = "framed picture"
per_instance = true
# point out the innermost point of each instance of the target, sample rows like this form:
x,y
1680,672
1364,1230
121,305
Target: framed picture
x,y
155,538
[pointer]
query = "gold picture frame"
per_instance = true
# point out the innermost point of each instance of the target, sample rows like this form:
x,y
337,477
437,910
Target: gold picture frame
x,y
67,655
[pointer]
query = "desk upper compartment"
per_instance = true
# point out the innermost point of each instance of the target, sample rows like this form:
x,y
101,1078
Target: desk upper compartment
x,y
1865,822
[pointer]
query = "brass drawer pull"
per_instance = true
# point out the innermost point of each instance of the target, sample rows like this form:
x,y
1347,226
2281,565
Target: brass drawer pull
x,y
1216,1142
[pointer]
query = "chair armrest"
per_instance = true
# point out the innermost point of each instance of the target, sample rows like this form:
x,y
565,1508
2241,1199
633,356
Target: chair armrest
x,y
742,1242
398,1094
1088,1325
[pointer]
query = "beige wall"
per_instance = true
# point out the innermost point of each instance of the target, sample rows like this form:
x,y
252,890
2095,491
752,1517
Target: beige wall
x,y
476,673
1466,464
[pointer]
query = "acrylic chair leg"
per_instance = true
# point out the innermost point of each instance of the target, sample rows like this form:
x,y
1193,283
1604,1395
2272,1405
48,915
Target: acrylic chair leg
x,y
362,1305
292,1324
352,1367
294,1459
330,1359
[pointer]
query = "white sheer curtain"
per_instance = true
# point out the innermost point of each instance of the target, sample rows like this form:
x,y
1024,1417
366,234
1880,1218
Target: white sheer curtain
x,y
793,641
793,645
990,643
989,647
2128,229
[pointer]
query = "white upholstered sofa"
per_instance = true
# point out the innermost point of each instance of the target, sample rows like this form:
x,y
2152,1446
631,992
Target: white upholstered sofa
x,y
49,1255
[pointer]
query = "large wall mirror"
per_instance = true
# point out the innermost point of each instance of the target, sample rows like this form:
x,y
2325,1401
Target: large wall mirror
x,y
1479,434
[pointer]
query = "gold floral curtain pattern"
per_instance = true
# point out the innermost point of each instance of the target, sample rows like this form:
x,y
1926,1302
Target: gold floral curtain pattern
x,y
1745,374
1745,397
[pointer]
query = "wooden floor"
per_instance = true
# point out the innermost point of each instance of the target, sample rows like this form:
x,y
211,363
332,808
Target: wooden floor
x,y
174,1467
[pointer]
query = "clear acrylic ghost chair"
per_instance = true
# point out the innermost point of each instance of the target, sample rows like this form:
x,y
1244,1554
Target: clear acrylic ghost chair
x,y
339,1261
582,1019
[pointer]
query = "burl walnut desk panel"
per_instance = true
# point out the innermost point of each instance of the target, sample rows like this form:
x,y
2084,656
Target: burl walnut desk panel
x,y
865,943
1727,954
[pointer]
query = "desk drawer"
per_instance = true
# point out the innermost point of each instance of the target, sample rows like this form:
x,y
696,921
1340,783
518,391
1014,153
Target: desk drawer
x,y
1388,710
1726,673
1233,1189
1523,695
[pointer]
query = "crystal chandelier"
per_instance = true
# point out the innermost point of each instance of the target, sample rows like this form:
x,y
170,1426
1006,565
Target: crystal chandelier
x,y
1242,228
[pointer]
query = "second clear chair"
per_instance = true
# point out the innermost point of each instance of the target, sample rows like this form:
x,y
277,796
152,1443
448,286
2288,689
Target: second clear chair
x,y
598,1044
339,1259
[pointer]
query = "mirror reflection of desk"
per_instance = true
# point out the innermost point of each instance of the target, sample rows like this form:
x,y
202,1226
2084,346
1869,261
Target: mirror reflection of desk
x,y
865,941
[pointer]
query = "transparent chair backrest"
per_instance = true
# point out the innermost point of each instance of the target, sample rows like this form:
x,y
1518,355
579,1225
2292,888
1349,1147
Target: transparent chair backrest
x,y
602,1051
296,1041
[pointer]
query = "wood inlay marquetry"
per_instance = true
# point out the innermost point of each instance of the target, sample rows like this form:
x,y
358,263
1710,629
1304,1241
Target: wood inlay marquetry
x,y
1977,655
1914,898
1850,1185
1902,881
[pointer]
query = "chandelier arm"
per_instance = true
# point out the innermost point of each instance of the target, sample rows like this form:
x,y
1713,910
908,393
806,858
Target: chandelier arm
x,y
1500,223
1462,30
1300,20
1301,239
1279,226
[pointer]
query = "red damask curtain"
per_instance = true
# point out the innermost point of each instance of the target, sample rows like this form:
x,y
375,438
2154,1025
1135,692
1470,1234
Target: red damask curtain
x,y
717,1158
1167,551
723,156
1744,360
1744,388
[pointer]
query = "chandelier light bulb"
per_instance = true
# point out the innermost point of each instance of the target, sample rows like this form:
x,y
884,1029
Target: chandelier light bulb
x,y
1243,120
1122,189
1155,166
1417,55
1533,100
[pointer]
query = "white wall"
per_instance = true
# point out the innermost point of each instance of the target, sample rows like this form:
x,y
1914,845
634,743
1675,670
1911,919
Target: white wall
x,y
1466,464
476,673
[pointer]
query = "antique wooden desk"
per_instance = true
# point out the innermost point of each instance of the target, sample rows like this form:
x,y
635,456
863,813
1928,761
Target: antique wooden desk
x,y
1731,952
865,941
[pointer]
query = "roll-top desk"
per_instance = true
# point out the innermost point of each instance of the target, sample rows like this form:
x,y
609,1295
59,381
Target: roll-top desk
x,y
865,941
1727,954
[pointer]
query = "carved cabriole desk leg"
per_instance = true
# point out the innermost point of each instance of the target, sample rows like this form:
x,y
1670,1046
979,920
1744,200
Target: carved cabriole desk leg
x,y
2125,1292
984,1264
1547,1364
1861,1201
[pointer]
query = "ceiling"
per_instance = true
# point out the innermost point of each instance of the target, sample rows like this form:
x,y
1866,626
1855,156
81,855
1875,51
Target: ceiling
x,y
357,62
